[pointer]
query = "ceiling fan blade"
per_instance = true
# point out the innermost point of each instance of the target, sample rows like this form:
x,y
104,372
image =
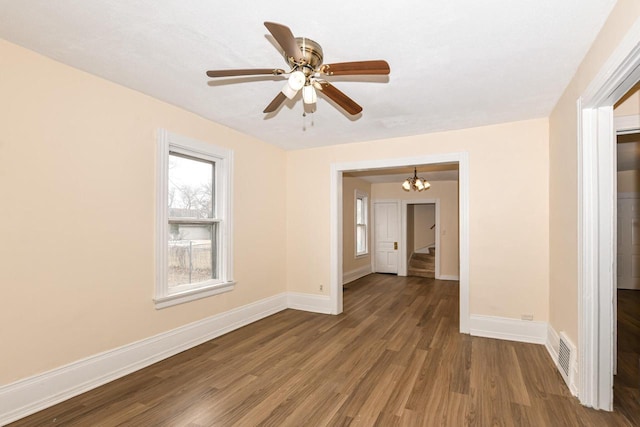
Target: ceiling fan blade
x,y
338,97
277,101
357,67
285,39
246,72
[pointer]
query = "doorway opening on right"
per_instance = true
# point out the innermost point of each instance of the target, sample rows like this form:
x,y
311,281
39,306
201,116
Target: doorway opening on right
x,y
627,295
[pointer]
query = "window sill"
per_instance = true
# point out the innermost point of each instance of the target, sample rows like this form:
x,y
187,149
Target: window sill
x,y
362,255
192,295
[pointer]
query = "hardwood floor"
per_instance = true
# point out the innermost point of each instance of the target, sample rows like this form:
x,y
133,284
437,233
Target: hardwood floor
x,y
626,387
394,358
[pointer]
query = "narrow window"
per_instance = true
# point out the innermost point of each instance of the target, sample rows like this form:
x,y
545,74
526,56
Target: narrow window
x,y
193,220
362,209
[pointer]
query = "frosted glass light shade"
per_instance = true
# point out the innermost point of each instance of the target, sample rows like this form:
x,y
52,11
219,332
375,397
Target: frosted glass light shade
x,y
296,80
288,92
309,95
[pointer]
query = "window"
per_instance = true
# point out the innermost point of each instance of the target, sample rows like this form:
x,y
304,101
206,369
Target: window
x,y
362,210
194,233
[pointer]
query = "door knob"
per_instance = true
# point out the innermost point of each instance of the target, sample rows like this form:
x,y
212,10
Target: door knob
x,y
395,246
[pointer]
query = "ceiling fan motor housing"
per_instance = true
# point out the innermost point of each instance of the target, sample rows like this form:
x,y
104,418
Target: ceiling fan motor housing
x,y
312,54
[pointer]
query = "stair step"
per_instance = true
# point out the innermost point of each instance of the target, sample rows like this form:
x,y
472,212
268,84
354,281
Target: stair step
x,y
421,273
422,256
422,264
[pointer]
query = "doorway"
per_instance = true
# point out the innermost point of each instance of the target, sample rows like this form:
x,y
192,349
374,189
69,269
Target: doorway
x,y
336,220
597,220
626,389
421,246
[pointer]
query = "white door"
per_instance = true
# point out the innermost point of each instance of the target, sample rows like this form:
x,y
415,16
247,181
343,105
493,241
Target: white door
x,y
628,256
386,233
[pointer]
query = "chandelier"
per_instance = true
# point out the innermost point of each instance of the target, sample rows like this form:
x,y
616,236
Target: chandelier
x,y
414,183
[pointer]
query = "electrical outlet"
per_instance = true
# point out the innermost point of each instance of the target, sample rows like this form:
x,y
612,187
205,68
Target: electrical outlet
x,y
527,317
321,288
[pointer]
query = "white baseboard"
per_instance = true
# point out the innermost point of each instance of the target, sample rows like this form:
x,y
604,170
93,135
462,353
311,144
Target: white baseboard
x,y
508,329
309,302
448,277
27,396
350,276
552,345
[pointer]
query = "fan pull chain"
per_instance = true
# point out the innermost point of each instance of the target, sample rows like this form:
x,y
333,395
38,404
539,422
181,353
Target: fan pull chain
x,y
304,119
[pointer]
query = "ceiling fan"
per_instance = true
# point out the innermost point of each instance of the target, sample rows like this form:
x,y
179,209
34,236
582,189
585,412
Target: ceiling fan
x,y
304,57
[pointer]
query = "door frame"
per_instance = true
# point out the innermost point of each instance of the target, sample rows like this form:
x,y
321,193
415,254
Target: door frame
x,y
335,220
403,267
597,219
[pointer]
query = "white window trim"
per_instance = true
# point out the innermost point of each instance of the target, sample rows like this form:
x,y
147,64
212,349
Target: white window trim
x,y
223,158
358,194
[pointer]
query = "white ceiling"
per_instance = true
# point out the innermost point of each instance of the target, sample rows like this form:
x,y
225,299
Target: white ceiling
x,y
454,63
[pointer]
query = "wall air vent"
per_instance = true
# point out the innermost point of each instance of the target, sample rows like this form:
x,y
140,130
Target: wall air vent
x,y
566,358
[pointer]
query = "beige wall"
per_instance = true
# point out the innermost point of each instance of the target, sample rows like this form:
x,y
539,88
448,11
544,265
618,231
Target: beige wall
x,y
563,190
349,260
424,219
77,186
447,192
508,206
629,105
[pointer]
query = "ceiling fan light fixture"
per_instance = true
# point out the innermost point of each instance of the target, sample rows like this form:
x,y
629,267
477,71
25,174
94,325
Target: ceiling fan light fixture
x,y
309,95
288,92
297,80
305,59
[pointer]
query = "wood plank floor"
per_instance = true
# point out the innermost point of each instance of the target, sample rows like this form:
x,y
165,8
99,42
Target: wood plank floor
x,y
626,396
395,357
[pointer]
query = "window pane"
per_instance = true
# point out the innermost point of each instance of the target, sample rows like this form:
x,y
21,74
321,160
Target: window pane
x,y
359,211
361,243
192,253
190,187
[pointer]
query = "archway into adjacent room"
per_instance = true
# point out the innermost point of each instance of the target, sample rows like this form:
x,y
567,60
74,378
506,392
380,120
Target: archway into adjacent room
x,y
337,169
